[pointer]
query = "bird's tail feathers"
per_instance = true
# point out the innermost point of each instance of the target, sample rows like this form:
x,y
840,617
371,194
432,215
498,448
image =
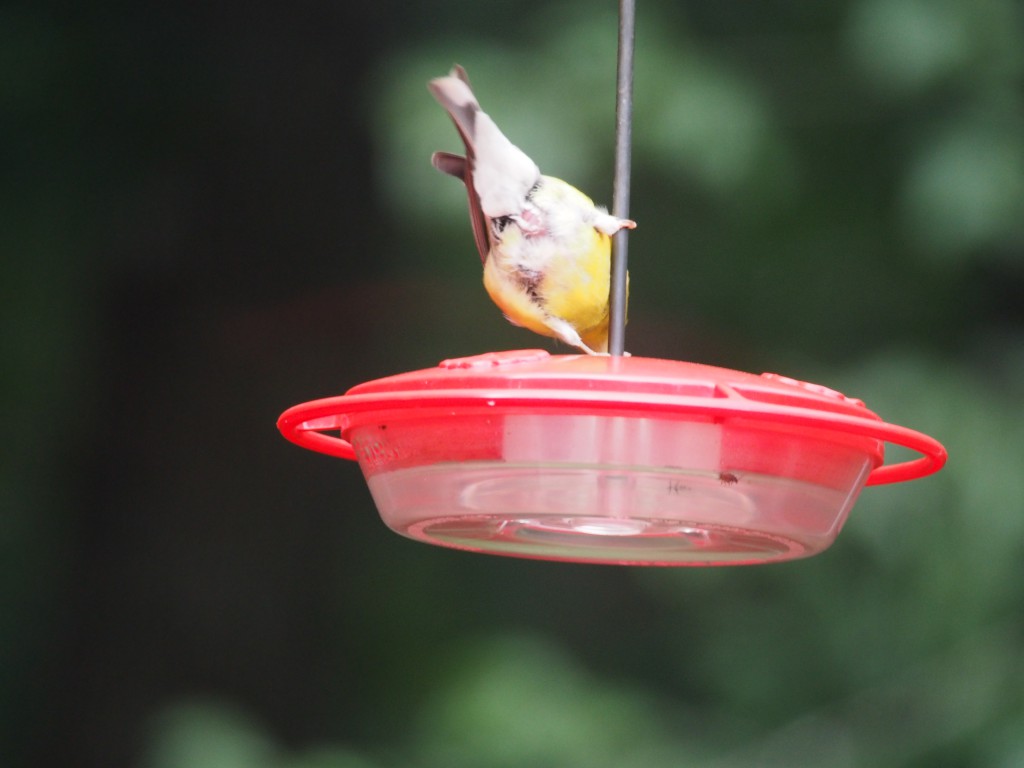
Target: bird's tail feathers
x,y
455,95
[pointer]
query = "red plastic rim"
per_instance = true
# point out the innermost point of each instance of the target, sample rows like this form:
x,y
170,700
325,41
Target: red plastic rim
x,y
320,425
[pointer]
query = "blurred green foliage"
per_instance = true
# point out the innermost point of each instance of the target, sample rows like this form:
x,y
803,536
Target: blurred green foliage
x,y
212,214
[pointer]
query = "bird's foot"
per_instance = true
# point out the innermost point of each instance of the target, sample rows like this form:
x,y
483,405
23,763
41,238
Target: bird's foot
x,y
609,224
565,332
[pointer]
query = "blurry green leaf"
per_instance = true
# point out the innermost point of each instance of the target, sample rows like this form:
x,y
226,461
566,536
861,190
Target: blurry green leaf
x,y
206,734
700,120
326,757
965,187
520,702
914,715
1005,748
905,45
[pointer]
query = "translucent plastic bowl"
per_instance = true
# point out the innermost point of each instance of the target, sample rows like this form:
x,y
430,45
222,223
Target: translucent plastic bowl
x,y
612,460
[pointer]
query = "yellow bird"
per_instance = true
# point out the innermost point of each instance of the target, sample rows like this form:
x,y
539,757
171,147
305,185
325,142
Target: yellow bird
x,y
545,246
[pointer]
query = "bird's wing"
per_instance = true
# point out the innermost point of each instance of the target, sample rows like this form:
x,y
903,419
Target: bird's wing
x,y
457,166
453,165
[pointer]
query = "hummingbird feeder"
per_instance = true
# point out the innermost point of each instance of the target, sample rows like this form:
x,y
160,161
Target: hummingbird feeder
x,y
625,460
611,459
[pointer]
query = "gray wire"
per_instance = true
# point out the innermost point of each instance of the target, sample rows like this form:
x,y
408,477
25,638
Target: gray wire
x,y
620,191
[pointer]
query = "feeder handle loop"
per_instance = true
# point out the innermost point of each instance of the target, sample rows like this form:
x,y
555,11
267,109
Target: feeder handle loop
x,y
302,424
305,424
933,458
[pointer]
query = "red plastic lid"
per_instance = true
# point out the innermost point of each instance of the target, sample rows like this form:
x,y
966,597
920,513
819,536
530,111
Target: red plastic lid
x,y
534,379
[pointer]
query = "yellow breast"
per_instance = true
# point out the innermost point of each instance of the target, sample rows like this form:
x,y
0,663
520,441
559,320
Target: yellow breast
x,y
576,288
571,285
562,272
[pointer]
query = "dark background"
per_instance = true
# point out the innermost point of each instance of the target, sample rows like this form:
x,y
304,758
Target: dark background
x,y
213,212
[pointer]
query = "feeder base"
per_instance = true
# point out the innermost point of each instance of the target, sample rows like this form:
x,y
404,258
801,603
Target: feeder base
x,y
623,515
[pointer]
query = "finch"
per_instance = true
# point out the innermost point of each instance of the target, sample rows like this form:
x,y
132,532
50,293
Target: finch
x,y
545,246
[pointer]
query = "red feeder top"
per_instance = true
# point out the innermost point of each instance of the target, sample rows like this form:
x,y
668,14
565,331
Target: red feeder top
x,y
535,380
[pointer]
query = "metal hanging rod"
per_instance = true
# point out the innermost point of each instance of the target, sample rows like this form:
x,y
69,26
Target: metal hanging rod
x,y
620,191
